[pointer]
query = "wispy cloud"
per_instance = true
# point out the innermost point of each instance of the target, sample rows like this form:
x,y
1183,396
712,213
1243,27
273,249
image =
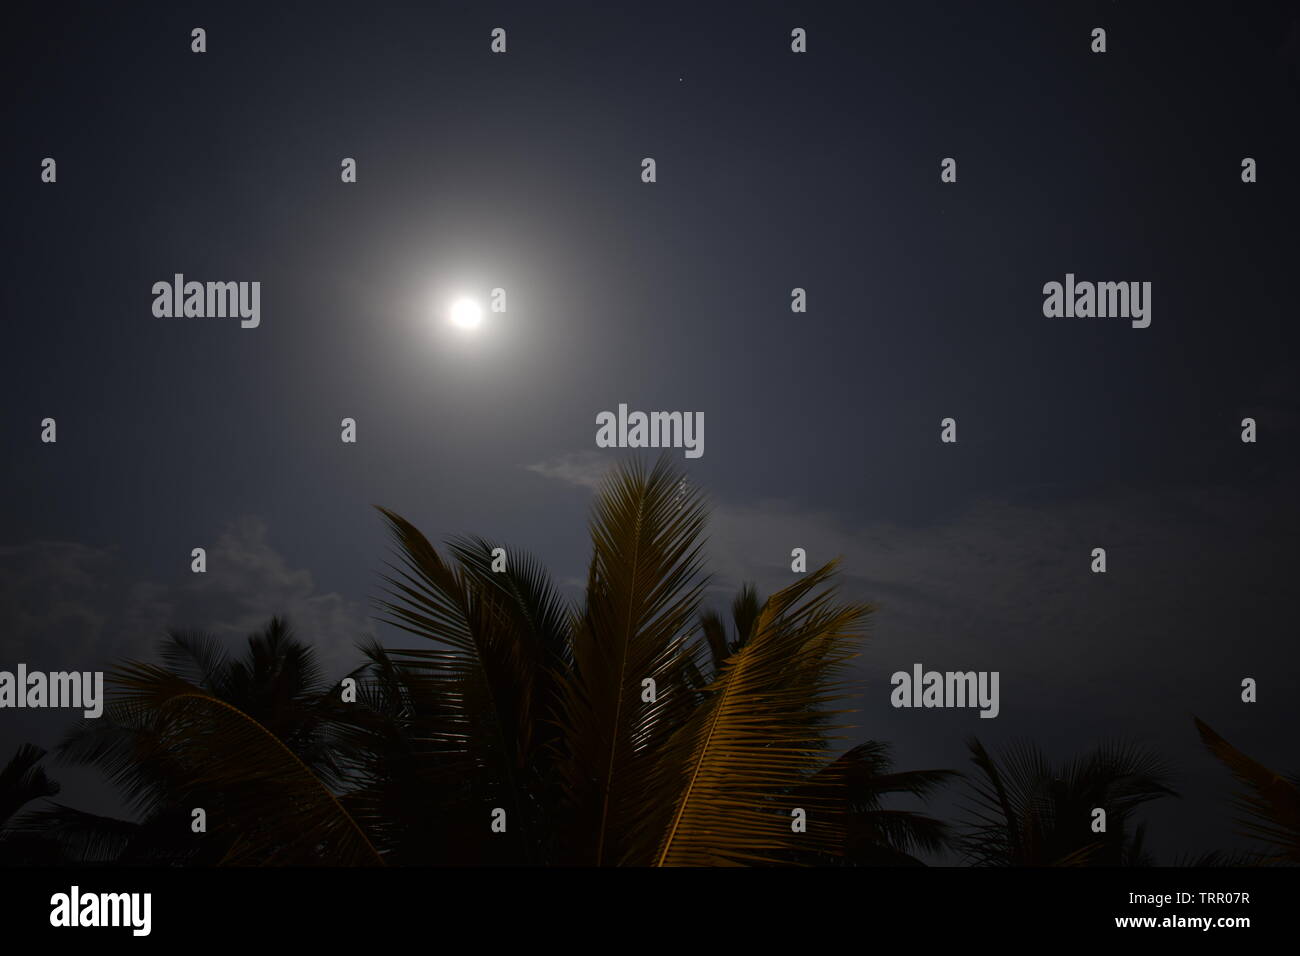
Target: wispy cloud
x,y
67,604
71,605
248,581
582,468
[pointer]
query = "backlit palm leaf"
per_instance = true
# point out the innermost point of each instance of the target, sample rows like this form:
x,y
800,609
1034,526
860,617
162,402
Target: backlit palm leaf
x,y
642,597
755,745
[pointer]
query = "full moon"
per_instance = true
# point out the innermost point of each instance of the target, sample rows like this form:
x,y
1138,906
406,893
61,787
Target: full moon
x,y
466,313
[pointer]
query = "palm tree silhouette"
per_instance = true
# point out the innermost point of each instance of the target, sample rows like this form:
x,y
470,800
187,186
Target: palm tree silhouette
x,y
246,740
21,781
1026,812
532,730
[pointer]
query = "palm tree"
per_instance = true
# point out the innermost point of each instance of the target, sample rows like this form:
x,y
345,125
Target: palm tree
x,y
532,729
879,836
21,781
591,727
1270,802
246,740
1025,812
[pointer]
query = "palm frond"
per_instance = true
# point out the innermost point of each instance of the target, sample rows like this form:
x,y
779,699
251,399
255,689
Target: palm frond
x,y
1025,812
269,804
756,744
1270,803
23,780
880,836
643,594
1218,858
715,635
73,836
745,609
539,620
995,836
482,678
197,657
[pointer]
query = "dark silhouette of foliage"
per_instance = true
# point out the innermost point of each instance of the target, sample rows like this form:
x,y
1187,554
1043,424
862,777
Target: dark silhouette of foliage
x,y
22,781
1025,812
247,740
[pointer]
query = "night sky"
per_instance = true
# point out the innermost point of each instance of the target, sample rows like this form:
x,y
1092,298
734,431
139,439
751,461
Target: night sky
x,y
775,170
